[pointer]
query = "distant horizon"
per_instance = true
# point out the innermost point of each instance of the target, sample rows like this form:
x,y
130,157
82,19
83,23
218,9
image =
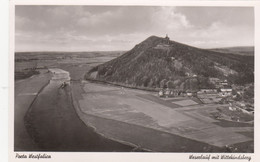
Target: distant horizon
x,y
133,47
72,51
140,42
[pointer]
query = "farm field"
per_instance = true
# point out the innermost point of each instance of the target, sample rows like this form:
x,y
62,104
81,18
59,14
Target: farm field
x,y
123,105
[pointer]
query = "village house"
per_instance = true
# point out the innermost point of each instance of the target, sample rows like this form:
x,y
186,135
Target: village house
x,y
191,94
187,74
218,83
225,91
170,93
167,92
208,90
224,83
214,80
161,93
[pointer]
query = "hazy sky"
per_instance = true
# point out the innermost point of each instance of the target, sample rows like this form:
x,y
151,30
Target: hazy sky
x,y
96,28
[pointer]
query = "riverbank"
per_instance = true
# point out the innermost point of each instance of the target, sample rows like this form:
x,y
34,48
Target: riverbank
x,y
26,91
55,126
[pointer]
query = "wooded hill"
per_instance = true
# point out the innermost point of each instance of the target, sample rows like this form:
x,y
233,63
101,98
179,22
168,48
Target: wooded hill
x,y
158,62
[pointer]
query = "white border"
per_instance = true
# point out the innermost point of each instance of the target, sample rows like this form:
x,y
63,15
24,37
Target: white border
x,y
137,2
4,79
129,157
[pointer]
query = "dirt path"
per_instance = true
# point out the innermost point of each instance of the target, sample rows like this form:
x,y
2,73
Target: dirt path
x,y
55,125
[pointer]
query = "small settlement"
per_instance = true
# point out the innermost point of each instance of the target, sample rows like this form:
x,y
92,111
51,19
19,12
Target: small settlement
x,y
223,89
223,93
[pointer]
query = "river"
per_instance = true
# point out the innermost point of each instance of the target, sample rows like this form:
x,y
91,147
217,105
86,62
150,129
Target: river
x,y
54,125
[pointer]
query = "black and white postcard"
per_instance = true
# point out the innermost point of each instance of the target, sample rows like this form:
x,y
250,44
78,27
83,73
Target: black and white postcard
x,y
136,81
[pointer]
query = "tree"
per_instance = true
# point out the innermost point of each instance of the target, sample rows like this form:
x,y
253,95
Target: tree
x,y
249,92
163,83
145,81
170,84
193,84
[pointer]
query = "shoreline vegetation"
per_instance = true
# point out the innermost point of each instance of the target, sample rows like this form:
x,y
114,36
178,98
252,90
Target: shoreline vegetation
x,y
121,85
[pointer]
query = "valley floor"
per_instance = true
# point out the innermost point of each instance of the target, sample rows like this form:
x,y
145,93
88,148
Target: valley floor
x,y
140,118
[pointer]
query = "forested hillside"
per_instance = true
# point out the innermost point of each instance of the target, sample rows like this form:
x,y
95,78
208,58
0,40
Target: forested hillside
x,y
158,61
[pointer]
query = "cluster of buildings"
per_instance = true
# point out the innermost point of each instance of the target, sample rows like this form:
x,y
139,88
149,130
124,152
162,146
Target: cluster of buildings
x,y
222,93
222,89
223,86
175,93
240,106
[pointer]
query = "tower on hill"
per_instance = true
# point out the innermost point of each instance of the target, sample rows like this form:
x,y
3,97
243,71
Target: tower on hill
x,y
167,39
